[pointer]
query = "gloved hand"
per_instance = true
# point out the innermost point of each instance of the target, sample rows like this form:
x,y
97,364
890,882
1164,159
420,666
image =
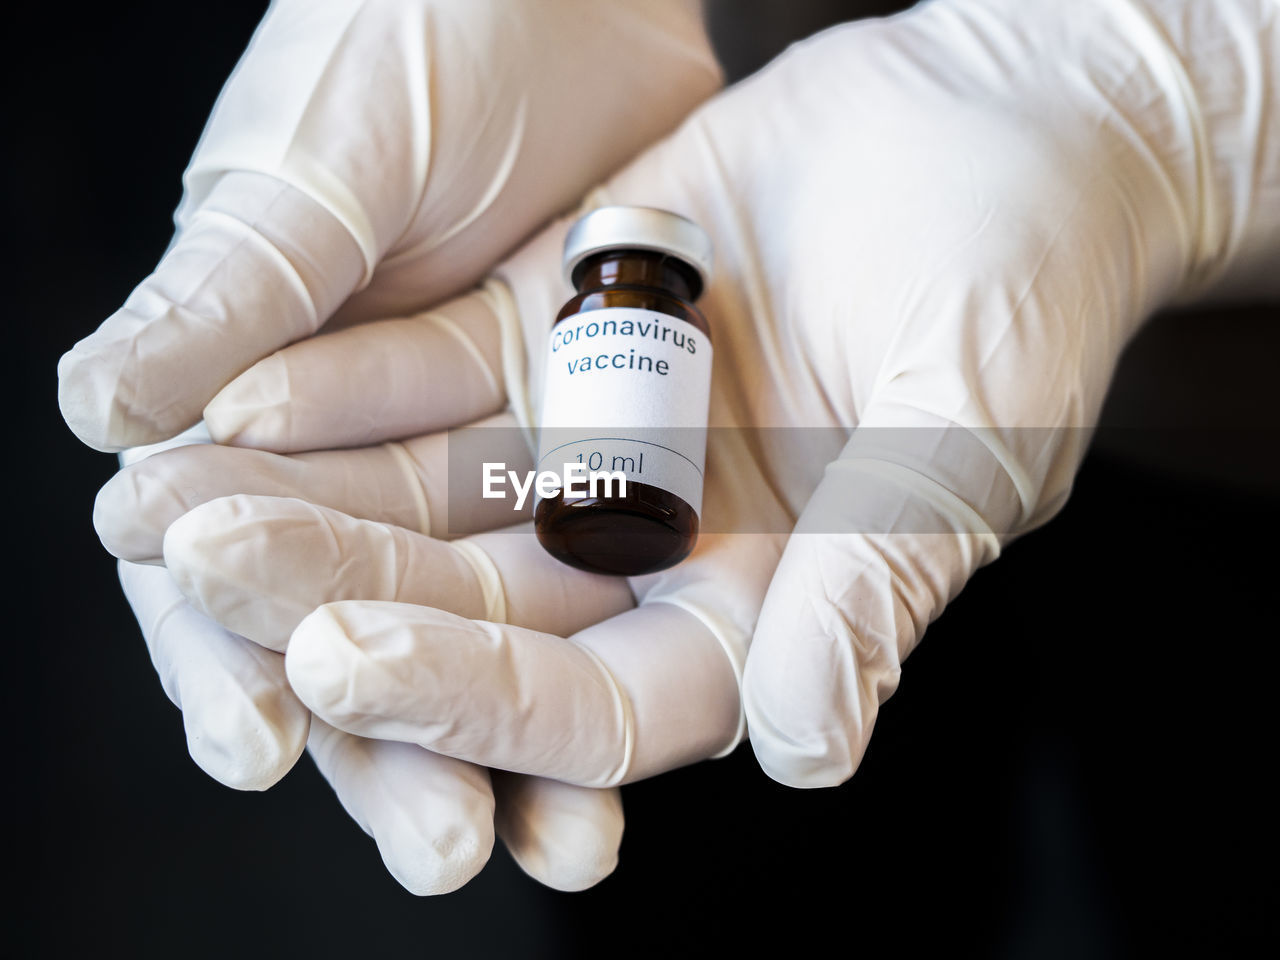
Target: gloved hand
x,y
938,230
366,160
433,817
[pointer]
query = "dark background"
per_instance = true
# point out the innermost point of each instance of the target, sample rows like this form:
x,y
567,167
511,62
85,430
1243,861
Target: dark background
x,y
1077,763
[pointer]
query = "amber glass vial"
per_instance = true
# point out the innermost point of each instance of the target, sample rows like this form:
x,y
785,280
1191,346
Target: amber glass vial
x,y
639,405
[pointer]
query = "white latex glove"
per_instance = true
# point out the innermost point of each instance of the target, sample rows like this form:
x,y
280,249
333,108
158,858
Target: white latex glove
x,y
376,157
936,232
366,159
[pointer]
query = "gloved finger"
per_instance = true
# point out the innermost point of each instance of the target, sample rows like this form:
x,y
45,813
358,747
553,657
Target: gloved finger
x,y
377,381
431,816
258,565
449,365
258,265
897,526
642,692
245,727
562,835
405,484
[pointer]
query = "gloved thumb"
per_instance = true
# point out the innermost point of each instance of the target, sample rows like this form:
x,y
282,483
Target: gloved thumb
x,y
900,521
257,265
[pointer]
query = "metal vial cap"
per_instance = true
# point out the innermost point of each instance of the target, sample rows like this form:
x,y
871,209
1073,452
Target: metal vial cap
x,y
638,228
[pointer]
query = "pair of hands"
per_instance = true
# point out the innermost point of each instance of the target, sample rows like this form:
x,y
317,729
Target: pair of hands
x,y
933,233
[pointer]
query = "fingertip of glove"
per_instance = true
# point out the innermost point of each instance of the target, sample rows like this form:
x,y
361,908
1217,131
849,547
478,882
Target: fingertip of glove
x,y
252,759
198,536
185,537
316,635
800,768
185,545
317,659
587,869
79,393
246,779
120,523
791,747
254,409
565,849
430,866
563,836
88,398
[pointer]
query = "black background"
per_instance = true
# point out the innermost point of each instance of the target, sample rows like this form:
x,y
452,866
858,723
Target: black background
x,y
1077,763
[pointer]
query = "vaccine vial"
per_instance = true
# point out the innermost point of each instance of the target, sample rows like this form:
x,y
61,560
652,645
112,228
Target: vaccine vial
x,y
628,382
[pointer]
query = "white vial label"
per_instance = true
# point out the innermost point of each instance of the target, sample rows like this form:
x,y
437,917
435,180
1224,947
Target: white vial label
x,y
627,392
